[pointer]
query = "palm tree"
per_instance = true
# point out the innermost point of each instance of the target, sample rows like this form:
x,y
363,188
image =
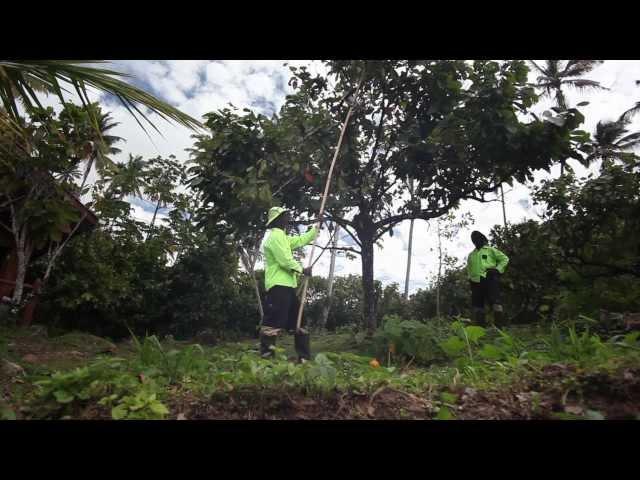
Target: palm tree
x,y
101,149
127,178
556,74
21,81
613,142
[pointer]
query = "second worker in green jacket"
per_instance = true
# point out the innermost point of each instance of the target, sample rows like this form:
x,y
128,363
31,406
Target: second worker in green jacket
x,y
280,277
485,265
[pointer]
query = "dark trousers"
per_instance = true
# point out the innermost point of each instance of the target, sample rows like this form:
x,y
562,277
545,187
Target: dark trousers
x,y
281,309
281,312
487,291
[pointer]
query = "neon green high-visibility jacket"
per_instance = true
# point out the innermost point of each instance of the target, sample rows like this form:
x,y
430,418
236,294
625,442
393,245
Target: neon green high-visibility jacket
x,y
280,266
481,260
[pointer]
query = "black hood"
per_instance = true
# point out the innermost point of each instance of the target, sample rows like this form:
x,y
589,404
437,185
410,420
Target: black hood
x,y
478,239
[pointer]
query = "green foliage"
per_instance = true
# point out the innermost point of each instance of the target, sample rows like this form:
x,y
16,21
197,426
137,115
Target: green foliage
x,y
108,279
35,175
205,290
528,292
410,339
141,406
454,296
105,279
174,365
137,387
418,115
106,382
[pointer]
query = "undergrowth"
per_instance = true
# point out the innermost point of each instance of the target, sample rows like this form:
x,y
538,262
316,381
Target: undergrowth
x,y
415,358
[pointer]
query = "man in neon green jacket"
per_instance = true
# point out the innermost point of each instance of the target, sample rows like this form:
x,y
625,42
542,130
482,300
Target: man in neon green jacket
x,y
485,264
280,277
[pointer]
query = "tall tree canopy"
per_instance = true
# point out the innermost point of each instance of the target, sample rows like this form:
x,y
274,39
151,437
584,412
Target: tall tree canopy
x,y
458,128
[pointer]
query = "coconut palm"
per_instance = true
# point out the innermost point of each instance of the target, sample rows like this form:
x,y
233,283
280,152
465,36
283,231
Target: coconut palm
x,y
558,74
101,150
613,142
555,75
127,178
22,81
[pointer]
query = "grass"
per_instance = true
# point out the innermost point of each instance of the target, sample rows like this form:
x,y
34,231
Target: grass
x,y
151,379
323,343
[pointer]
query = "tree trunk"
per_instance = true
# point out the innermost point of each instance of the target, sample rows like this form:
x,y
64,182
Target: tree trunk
x,y
504,212
21,273
249,266
155,213
369,310
562,103
86,172
58,250
332,266
406,280
257,290
153,219
439,272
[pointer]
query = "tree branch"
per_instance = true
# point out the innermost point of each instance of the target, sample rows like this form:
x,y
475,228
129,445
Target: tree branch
x,y
344,224
386,224
345,249
374,152
6,204
577,261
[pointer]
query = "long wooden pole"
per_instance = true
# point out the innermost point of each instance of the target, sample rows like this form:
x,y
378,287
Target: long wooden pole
x,y
305,283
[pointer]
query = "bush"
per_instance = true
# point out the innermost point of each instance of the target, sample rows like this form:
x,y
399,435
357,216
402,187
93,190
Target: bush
x,y
106,283
410,339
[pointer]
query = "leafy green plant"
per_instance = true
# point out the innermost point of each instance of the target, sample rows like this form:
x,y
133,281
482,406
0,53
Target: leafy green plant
x,y
465,336
174,364
109,382
410,339
143,405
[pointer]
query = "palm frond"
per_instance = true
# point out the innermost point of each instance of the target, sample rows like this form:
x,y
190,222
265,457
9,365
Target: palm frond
x,y
584,84
18,77
607,132
539,68
630,137
630,145
628,115
577,68
553,67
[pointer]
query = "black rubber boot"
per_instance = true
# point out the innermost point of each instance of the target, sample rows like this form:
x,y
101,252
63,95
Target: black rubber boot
x,y
302,342
266,344
500,319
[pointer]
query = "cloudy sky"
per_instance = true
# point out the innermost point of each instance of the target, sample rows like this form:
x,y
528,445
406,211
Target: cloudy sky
x,y
198,87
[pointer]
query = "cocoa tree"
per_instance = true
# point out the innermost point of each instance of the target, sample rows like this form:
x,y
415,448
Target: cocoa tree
x,y
459,129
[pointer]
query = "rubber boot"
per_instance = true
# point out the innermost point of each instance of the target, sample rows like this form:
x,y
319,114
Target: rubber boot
x,y
478,317
302,345
267,342
500,318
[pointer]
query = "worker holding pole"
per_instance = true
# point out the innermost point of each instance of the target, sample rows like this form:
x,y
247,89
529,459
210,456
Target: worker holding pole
x,y
284,310
280,275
